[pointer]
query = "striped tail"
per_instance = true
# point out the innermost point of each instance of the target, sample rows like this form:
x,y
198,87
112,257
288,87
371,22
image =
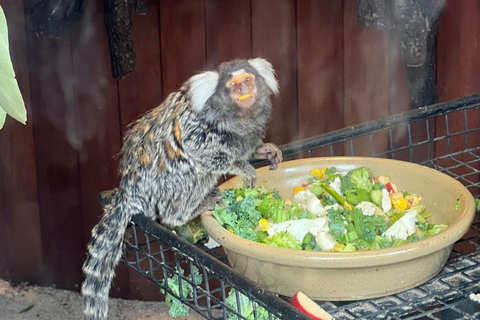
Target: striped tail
x,y
104,252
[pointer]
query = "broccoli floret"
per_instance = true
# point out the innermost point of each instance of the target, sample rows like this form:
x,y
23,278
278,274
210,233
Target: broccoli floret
x,y
336,223
380,186
177,308
477,204
240,215
193,232
331,174
358,178
246,307
283,240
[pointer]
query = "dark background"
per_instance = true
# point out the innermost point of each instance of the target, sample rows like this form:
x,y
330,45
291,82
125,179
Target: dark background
x,y
333,73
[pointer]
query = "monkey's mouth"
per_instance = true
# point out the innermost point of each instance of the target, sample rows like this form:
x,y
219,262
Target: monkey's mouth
x,y
245,96
246,100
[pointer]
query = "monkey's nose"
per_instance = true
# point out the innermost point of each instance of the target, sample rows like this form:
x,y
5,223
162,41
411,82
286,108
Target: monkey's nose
x,y
243,88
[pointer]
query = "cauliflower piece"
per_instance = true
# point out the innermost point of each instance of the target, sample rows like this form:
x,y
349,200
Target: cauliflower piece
x,y
309,201
386,201
279,227
335,206
299,228
325,241
403,228
303,197
367,208
315,207
337,185
318,225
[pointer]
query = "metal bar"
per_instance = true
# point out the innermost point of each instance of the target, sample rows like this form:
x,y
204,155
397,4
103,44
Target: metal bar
x,y
218,268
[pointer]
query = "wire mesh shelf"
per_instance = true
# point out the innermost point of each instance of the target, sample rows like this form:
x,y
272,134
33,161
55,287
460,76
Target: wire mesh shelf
x,y
445,137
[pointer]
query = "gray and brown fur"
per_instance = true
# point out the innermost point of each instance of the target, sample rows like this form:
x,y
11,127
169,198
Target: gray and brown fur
x,y
171,160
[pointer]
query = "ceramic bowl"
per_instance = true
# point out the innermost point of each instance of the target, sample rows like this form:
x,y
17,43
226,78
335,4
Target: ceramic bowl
x,y
354,275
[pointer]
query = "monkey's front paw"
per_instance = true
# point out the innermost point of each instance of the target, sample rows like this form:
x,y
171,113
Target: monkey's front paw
x,y
270,152
250,179
215,200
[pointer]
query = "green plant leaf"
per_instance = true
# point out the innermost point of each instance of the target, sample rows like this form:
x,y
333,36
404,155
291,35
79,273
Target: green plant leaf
x,y
11,100
3,115
3,22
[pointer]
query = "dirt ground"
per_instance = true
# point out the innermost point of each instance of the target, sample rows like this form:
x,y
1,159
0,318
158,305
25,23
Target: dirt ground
x,y
41,303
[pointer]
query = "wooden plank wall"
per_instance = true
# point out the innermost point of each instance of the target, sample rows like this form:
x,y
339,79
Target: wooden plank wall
x,y
332,73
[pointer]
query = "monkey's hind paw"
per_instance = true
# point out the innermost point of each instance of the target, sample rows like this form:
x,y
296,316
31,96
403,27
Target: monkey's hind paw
x,y
105,197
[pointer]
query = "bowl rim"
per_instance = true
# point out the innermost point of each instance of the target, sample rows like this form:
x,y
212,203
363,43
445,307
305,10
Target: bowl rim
x,y
302,258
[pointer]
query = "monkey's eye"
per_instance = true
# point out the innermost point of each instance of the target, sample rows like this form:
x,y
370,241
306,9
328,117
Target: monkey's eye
x,y
232,84
247,79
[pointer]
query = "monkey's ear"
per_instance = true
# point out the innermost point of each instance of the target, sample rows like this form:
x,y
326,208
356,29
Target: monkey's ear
x,y
265,69
202,87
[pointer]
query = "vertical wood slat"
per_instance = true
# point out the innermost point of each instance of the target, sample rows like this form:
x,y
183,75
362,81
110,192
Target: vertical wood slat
x,y
228,31
274,38
399,100
138,93
458,70
20,253
98,127
182,41
458,49
141,90
56,141
366,77
320,67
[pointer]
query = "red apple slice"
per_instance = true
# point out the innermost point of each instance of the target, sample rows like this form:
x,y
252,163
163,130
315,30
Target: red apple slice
x,y
309,307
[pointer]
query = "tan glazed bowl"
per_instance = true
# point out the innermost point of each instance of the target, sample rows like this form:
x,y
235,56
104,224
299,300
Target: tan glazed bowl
x,y
354,275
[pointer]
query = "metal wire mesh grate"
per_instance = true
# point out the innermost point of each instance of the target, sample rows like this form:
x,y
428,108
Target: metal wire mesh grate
x,y
161,256
444,297
444,136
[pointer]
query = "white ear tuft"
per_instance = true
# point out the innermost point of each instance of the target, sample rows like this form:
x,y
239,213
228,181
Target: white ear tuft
x,y
202,87
265,69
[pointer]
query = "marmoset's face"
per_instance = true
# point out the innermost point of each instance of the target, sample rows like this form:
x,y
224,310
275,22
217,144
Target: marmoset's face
x,y
243,90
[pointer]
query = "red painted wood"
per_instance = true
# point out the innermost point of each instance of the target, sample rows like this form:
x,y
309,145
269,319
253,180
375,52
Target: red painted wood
x,y
320,66
228,28
366,77
274,38
182,26
458,70
399,102
458,49
20,255
97,121
141,90
320,69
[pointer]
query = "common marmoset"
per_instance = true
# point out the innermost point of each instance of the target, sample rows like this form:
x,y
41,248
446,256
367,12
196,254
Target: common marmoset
x,y
173,156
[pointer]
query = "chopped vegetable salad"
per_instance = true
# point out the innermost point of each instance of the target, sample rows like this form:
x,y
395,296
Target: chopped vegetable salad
x,y
332,212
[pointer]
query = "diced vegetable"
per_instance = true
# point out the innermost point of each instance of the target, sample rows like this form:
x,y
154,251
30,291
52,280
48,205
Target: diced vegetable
x,y
403,227
336,196
358,178
376,196
372,215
